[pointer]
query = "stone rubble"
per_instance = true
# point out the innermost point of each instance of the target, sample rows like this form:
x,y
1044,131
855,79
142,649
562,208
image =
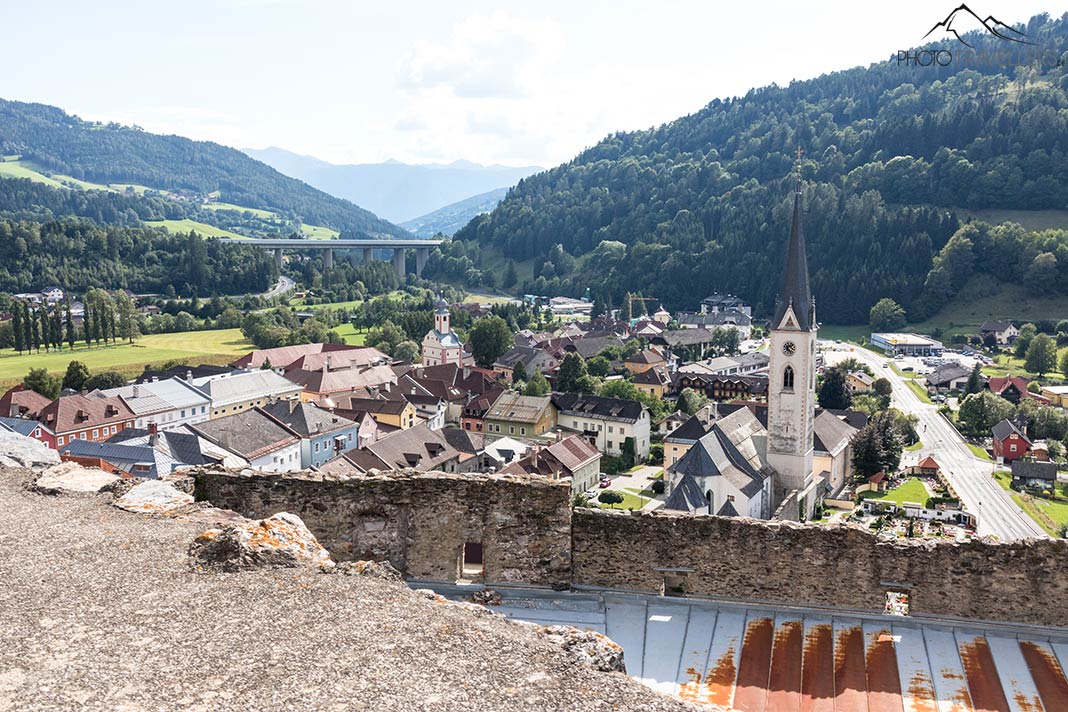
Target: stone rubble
x,y
20,451
280,541
375,569
152,497
587,647
487,597
72,478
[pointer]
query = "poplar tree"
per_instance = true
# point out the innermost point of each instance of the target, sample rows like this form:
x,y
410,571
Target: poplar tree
x,y
16,328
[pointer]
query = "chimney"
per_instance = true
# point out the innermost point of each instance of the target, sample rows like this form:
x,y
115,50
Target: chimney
x,y
155,379
136,391
467,373
153,434
292,404
326,365
534,456
188,375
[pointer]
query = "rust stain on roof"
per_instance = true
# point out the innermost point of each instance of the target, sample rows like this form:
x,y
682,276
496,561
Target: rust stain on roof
x,y
884,682
850,680
754,667
784,686
1048,675
921,691
982,676
718,683
817,672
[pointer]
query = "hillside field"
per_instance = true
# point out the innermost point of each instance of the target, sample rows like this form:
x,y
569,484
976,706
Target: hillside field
x,y
219,346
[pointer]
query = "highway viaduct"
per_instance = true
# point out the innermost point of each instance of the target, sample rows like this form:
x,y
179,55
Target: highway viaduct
x,y
400,247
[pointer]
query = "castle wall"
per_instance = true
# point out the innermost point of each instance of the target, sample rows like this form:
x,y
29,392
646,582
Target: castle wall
x,y
419,522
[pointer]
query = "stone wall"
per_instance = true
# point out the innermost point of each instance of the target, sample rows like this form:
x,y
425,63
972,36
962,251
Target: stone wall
x,y
839,566
420,522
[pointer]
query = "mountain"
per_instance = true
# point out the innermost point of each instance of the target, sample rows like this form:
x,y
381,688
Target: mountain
x,y
397,191
62,152
894,158
452,217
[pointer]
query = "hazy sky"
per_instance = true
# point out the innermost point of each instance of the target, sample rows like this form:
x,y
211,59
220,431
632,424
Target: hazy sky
x,y
513,83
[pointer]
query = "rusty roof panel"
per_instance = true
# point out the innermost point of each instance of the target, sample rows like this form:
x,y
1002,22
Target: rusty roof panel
x,y
917,687
1016,680
817,668
693,667
754,666
981,674
1047,673
850,677
723,658
950,685
784,683
884,682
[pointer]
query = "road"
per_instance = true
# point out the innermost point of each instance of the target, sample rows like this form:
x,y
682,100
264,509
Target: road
x,y
970,476
284,285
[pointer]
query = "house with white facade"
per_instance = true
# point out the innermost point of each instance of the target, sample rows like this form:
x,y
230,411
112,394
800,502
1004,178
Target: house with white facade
x,y
168,404
607,422
268,445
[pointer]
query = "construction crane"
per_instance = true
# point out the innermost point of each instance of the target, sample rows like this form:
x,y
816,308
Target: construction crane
x,y
630,305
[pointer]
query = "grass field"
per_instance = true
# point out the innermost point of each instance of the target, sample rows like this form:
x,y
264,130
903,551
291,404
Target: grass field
x,y
219,346
984,298
1049,515
1027,219
348,333
630,501
265,214
911,490
20,169
314,232
918,445
979,452
854,333
919,390
188,225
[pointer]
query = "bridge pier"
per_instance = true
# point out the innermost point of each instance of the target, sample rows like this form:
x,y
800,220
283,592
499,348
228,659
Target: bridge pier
x,y
368,254
398,262
421,255
278,257
328,259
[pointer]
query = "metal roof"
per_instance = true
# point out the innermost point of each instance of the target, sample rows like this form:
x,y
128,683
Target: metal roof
x,y
750,656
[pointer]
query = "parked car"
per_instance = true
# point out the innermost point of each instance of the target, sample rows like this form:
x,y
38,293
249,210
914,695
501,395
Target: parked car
x,y
604,483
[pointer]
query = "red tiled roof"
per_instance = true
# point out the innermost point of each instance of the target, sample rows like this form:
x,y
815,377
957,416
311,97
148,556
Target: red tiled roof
x,y
77,412
877,478
928,463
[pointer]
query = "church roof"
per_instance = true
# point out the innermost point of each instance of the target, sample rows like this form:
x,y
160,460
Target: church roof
x,y
728,451
686,496
440,305
795,289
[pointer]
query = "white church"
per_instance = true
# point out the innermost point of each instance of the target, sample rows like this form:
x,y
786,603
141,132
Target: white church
x,y
442,345
742,466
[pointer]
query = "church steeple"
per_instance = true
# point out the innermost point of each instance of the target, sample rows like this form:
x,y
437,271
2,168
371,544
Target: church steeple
x,y
794,292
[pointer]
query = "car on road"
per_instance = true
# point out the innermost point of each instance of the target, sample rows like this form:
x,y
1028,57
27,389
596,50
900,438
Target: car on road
x,y
604,483
591,494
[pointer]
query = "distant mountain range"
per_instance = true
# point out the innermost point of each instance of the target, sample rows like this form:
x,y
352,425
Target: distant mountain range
x,y
452,217
397,191
113,173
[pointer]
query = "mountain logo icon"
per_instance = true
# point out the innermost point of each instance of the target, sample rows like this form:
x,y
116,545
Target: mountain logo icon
x,y
963,20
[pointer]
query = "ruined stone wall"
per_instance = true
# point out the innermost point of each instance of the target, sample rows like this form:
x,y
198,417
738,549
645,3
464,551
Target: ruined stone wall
x,y
1024,582
418,521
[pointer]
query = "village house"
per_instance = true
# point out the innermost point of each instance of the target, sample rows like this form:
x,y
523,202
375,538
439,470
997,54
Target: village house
x,y
693,342
859,381
1010,442
78,417
574,458
419,448
283,357
727,319
682,437
608,422
832,451
326,382
1041,475
525,416
187,373
1056,395
669,422
167,404
644,360
724,388
267,444
151,453
717,302
21,402
30,429
949,377
654,382
1012,388
323,434
533,359
390,413
1003,332
241,391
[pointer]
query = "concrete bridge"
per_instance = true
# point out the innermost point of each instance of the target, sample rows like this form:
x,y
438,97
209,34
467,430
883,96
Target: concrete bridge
x,y
422,249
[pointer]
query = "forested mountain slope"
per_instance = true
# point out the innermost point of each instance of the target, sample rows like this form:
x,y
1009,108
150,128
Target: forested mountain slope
x,y
702,204
49,139
449,219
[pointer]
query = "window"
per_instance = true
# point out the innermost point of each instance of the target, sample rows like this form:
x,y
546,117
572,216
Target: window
x,y
316,447
609,445
788,378
59,440
522,431
114,429
96,434
610,429
1012,448
467,426
183,413
511,430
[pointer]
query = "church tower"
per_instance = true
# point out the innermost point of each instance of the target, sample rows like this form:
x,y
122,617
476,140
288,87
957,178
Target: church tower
x,y
441,315
792,369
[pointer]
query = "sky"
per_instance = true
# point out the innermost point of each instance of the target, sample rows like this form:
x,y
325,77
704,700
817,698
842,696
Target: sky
x,y
434,82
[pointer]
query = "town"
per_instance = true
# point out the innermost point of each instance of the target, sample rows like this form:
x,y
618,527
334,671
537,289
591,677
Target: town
x,y
637,409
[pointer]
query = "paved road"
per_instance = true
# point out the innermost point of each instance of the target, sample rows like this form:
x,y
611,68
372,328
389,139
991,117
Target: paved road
x,y
970,476
284,285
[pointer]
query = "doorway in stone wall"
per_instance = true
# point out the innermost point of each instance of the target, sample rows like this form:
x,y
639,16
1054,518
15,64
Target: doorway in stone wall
x,y
471,565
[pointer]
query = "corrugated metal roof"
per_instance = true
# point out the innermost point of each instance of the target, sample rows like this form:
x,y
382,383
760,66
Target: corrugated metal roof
x,y
738,656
